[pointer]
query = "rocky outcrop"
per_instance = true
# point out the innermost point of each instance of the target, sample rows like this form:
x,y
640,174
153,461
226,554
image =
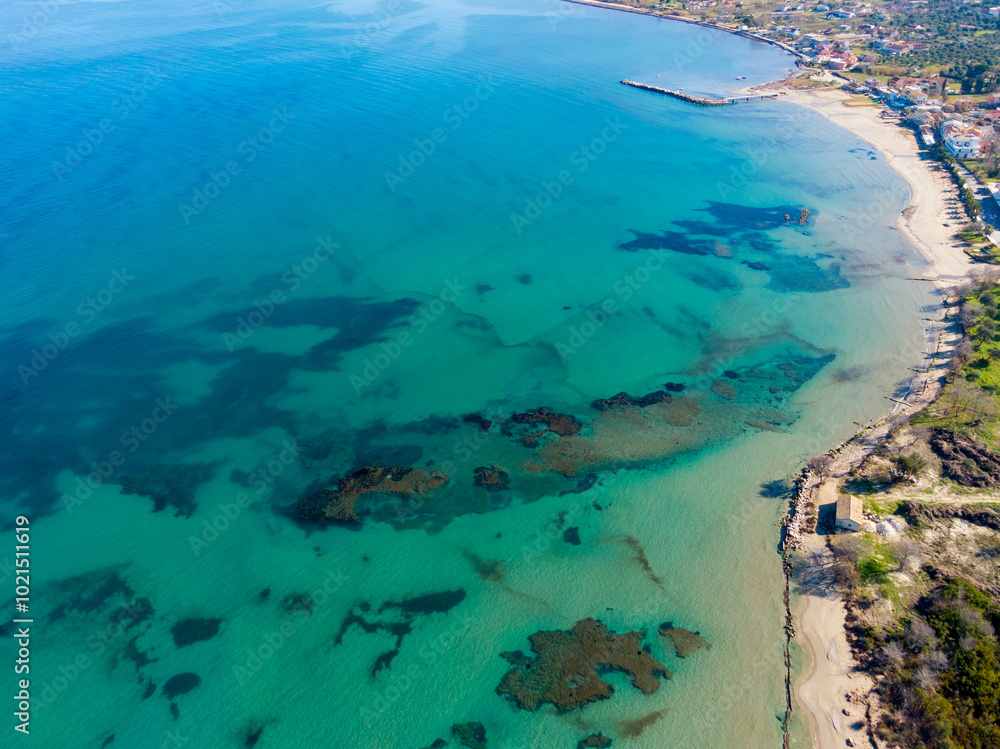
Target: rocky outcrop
x,y
623,400
491,477
567,666
340,505
561,424
594,741
964,460
483,423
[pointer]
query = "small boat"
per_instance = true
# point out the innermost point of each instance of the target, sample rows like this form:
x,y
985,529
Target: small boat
x,y
741,77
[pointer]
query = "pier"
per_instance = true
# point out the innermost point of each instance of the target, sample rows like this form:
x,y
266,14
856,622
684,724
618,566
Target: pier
x,y
701,101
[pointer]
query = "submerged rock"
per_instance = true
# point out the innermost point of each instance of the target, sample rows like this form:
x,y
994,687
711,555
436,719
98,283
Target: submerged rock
x,y
567,666
339,505
180,684
173,485
483,423
594,741
491,477
623,400
684,640
724,389
471,735
561,424
189,631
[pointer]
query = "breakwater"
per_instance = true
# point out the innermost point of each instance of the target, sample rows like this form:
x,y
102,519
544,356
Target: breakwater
x,y
701,101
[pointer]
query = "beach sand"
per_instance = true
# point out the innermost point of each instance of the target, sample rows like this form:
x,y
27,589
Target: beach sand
x,y
822,689
934,200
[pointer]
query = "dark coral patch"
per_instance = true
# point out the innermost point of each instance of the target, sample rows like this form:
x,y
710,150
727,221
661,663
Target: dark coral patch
x,y
594,741
189,631
180,684
89,593
397,618
572,536
295,602
566,670
471,735
668,240
483,423
169,485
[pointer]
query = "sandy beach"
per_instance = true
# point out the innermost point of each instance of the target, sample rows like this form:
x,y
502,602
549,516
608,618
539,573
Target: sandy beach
x,y
832,696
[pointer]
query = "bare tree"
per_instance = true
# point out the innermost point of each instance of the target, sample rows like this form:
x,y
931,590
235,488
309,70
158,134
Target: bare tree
x,y
919,635
820,464
907,553
894,654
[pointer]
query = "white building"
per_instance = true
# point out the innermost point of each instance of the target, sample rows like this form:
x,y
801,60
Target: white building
x,y
962,143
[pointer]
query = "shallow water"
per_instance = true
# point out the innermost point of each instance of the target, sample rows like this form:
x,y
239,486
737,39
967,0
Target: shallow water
x,y
446,209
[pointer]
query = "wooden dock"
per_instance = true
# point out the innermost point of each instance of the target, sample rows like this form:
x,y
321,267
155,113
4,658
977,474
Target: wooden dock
x,y
701,101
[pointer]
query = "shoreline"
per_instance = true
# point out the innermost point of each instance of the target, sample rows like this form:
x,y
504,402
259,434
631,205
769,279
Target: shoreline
x,y
692,21
832,695
827,690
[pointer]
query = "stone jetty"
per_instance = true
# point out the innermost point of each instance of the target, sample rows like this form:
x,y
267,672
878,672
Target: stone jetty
x,y
701,101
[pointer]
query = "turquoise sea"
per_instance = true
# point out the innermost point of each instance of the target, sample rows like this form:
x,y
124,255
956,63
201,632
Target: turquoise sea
x,y
258,250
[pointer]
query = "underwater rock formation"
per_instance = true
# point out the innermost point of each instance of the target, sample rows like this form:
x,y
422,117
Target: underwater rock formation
x,y
567,666
561,424
623,400
685,641
594,741
491,477
471,735
340,505
173,485
189,631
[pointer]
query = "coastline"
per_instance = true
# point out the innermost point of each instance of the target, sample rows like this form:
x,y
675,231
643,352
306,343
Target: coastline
x,y
839,703
685,19
832,697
